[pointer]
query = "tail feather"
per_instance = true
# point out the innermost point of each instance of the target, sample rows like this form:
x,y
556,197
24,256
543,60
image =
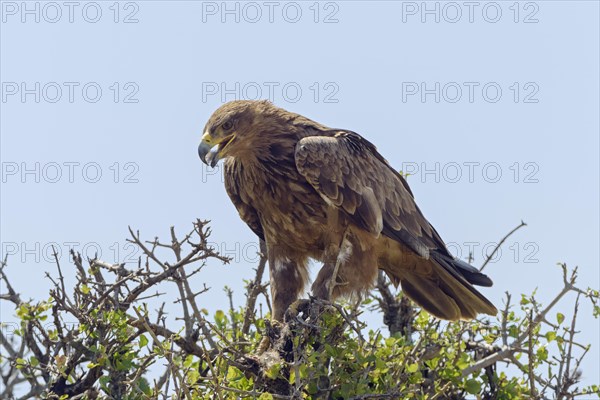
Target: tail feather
x,y
425,293
445,288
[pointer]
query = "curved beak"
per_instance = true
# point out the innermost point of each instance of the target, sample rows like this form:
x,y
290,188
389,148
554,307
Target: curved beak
x,y
208,150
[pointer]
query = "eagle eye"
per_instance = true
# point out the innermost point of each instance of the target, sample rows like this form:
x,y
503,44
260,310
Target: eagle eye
x,y
227,125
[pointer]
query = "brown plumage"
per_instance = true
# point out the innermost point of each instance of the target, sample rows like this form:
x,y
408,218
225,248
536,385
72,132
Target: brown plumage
x,y
314,192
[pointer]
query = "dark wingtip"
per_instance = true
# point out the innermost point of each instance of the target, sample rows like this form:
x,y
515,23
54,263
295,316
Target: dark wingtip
x,y
471,273
480,280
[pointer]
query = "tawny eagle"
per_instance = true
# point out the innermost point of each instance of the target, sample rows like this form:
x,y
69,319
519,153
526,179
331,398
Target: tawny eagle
x,y
316,192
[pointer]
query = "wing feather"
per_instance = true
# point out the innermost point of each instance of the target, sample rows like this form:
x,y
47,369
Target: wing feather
x,y
348,171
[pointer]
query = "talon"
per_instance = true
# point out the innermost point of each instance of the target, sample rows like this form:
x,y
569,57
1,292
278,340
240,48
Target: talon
x,y
296,308
276,325
272,330
264,345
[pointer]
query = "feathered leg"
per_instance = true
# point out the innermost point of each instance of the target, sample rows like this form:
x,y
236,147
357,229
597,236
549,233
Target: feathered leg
x,y
288,278
354,269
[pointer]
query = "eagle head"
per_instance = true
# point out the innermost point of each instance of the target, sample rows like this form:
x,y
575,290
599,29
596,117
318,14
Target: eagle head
x,y
229,129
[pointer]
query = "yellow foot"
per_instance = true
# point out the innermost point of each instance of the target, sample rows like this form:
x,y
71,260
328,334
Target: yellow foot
x,y
264,345
273,328
296,308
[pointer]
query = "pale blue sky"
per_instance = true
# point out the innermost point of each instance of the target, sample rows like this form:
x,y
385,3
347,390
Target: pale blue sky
x,y
364,70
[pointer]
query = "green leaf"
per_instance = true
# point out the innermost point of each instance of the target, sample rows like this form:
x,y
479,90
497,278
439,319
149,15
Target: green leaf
x,y
144,387
20,363
473,386
192,376
143,341
189,359
220,318
463,361
84,288
560,318
22,311
273,371
53,334
542,353
412,368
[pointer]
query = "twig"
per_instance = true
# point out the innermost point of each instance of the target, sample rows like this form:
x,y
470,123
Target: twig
x,y
254,289
493,253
